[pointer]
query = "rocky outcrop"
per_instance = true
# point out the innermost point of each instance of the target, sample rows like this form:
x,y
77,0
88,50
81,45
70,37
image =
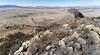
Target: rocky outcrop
x,y
77,14
75,38
64,41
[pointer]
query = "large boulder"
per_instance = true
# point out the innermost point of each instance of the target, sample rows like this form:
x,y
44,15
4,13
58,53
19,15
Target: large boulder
x,y
76,13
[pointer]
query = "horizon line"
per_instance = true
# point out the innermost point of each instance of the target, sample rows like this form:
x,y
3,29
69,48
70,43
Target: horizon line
x,y
50,5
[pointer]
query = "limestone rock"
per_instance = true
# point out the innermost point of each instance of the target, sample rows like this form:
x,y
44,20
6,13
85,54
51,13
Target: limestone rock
x,y
65,25
89,26
46,53
25,45
73,36
49,47
95,37
36,37
46,32
62,44
70,49
81,41
77,45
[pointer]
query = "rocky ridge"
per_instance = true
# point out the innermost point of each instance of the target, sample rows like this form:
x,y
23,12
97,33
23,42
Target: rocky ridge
x,y
83,39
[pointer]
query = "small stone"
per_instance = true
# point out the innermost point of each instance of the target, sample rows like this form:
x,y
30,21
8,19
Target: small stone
x,y
53,49
65,25
81,41
51,53
62,44
24,53
73,36
46,32
54,54
46,53
70,49
70,43
26,44
37,53
85,49
48,47
36,37
77,45
89,26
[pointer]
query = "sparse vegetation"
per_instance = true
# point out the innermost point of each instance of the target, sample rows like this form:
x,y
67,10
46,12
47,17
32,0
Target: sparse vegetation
x,y
50,32
11,41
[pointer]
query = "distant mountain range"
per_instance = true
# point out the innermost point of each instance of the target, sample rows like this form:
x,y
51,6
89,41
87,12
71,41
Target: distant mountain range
x,y
8,6
47,7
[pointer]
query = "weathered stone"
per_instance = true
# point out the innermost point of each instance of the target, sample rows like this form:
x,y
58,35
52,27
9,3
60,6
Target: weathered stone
x,y
70,43
65,25
25,45
84,50
36,37
54,49
75,35
95,37
46,53
48,47
62,44
89,26
81,41
46,32
51,53
77,45
70,49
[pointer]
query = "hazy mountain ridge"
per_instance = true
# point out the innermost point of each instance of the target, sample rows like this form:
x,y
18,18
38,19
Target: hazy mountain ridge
x,y
7,6
49,7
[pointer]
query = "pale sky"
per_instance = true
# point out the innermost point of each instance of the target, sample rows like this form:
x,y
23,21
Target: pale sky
x,y
51,2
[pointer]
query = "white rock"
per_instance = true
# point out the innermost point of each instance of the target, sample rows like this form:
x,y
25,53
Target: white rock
x,y
82,25
65,25
18,51
29,33
36,37
89,26
81,41
62,44
48,47
53,49
46,32
37,54
24,45
75,34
